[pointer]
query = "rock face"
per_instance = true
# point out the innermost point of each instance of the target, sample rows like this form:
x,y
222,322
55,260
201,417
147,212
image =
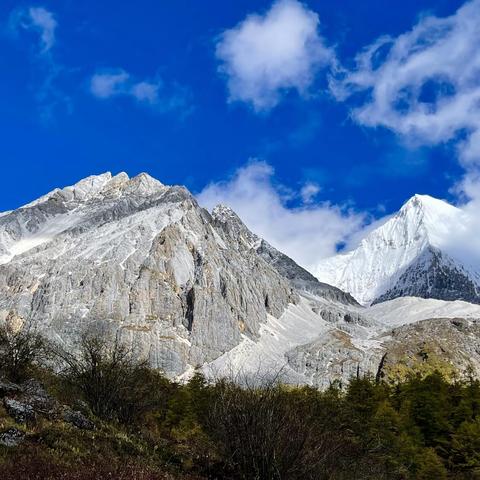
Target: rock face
x,y
434,275
406,256
300,278
142,258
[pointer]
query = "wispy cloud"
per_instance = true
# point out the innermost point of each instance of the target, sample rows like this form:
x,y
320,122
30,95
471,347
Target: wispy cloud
x,y
38,20
306,232
103,84
109,84
266,55
153,93
424,84
43,24
309,191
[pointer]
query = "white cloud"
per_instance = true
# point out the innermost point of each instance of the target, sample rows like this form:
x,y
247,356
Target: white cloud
x,y
424,84
118,82
39,20
44,22
146,92
266,55
152,93
306,233
309,191
50,97
106,85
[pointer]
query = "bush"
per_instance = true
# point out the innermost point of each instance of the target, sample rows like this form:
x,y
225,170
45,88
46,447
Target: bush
x,y
271,432
115,385
21,349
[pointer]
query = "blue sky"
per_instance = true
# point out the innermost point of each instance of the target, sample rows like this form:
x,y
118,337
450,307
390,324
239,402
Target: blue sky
x,y
176,89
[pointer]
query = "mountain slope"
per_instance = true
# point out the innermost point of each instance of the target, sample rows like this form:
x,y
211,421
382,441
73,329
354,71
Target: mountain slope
x,y
316,342
434,275
301,279
405,256
140,258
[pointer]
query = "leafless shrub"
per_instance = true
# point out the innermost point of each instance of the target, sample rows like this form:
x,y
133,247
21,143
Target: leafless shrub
x,y
273,432
112,380
21,348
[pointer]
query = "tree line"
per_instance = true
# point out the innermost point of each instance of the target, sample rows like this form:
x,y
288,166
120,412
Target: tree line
x,y
423,427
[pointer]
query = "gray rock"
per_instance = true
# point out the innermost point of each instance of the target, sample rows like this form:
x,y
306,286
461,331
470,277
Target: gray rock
x,y
77,419
333,357
434,275
20,411
225,218
448,343
11,437
34,394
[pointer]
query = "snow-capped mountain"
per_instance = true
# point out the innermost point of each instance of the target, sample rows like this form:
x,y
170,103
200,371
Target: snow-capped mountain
x,y
140,257
408,255
187,288
145,260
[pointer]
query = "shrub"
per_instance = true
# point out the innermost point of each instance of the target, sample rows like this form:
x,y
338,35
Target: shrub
x,y
115,384
20,350
271,432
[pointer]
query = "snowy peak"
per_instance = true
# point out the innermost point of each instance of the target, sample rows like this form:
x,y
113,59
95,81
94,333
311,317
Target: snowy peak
x,y
85,188
422,202
421,220
428,216
371,272
95,199
101,186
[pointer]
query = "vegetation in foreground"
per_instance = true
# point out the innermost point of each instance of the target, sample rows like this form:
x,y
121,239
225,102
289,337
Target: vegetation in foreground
x,y
146,427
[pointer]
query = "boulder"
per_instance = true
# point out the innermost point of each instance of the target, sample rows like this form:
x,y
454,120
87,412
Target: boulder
x,y
78,419
11,437
20,411
35,395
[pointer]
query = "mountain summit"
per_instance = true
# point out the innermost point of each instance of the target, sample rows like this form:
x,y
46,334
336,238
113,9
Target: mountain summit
x,y
408,255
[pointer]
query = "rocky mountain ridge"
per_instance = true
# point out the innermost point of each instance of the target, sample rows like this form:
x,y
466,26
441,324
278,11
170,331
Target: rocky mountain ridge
x,y
300,278
140,257
189,289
